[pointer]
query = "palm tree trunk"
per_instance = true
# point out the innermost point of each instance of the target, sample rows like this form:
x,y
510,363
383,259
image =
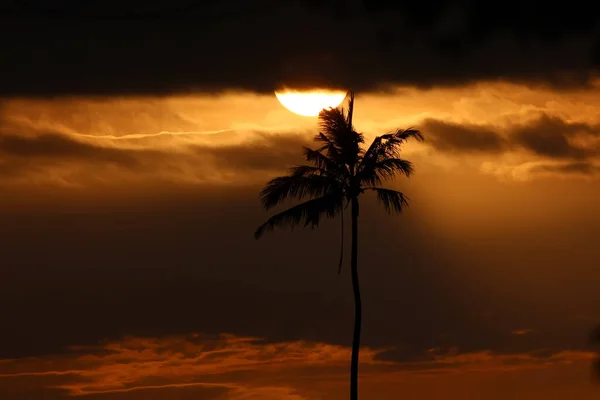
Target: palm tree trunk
x,y
357,303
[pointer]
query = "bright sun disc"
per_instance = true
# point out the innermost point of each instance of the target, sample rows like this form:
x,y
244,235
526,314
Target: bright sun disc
x,y
309,103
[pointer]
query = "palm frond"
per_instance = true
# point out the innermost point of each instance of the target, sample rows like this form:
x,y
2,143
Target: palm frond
x,y
393,200
375,172
332,122
320,137
343,141
350,110
371,152
393,141
410,133
389,146
311,170
333,151
306,170
386,147
370,157
324,162
297,186
308,213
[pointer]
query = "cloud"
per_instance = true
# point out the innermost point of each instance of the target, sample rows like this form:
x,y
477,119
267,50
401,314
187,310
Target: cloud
x,y
79,159
549,136
265,152
572,168
505,130
236,365
520,332
240,367
54,146
546,145
550,144
50,157
215,47
546,135
449,136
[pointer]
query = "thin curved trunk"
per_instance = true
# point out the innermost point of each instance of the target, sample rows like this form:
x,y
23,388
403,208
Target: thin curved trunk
x,y
357,304
341,243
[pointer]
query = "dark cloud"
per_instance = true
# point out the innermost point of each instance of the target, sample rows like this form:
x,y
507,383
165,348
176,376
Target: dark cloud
x,y
20,155
573,168
55,146
449,136
547,136
264,152
68,160
163,47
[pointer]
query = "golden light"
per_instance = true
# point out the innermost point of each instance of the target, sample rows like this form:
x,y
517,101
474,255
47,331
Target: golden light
x,y
309,103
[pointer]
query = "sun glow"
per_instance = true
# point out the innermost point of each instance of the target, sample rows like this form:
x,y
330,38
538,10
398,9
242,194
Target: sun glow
x,y
310,103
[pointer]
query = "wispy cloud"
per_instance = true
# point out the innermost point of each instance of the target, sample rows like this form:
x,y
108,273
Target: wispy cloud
x,y
247,368
240,138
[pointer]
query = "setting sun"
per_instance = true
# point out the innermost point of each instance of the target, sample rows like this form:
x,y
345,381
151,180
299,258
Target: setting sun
x,y
310,103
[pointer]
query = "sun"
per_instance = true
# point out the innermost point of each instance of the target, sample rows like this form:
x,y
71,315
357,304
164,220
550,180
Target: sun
x,y
310,102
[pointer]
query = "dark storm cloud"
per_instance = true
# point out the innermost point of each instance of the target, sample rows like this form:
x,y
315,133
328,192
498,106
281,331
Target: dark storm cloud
x,y
178,46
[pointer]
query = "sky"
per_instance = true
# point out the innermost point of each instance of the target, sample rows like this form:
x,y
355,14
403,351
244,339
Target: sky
x,y
135,138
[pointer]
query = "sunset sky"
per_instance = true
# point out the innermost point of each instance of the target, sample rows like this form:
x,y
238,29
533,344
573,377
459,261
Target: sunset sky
x,y
136,135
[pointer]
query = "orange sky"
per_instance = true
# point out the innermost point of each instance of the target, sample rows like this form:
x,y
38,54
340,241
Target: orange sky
x,y
128,251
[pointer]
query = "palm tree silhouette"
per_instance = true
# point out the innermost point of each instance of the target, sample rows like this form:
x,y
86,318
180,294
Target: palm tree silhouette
x,y
339,172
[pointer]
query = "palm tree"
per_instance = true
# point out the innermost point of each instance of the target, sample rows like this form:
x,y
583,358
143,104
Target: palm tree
x,y
339,171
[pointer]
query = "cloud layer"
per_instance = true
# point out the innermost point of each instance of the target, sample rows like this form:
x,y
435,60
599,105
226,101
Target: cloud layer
x,y
553,146
226,366
178,47
70,148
